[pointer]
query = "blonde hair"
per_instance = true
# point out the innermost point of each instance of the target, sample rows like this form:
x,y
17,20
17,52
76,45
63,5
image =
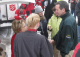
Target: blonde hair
x,y
32,20
17,25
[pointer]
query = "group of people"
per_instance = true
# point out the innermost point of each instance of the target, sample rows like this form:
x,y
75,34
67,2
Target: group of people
x,y
27,42
24,11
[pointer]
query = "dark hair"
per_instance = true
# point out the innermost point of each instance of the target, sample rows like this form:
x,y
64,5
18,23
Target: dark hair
x,y
53,9
63,4
21,7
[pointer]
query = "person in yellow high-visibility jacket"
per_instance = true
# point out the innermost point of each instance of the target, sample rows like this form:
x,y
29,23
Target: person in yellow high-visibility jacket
x,y
53,25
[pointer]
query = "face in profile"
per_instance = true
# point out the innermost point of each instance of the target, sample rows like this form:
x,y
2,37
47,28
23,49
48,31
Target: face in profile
x,y
58,11
41,14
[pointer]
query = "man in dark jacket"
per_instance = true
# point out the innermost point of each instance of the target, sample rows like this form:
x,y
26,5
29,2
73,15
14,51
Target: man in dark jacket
x,y
66,38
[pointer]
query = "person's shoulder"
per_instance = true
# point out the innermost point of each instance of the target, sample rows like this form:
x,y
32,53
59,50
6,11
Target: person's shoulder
x,y
44,21
54,17
13,37
69,20
42,37
19,34
70,17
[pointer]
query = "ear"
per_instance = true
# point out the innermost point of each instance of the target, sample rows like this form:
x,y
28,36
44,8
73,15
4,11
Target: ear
x,y
64,10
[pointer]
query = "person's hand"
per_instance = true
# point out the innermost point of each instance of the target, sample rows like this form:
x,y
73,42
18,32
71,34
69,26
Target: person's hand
x,y
49,28
51,41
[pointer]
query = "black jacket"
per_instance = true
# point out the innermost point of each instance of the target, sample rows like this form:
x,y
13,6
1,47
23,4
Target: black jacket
x,y
48,10
66,38
43,28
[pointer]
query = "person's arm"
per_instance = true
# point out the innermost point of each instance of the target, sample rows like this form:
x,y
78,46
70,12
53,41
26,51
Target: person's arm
x,y
50,47
12,45
45,48
16,49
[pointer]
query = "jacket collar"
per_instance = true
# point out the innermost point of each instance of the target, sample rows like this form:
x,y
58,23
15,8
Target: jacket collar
x,y
65,15
32,30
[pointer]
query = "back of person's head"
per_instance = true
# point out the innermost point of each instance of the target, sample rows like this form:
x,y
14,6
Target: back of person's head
x,y
63,4
32,20
17,25
24,5
38,9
